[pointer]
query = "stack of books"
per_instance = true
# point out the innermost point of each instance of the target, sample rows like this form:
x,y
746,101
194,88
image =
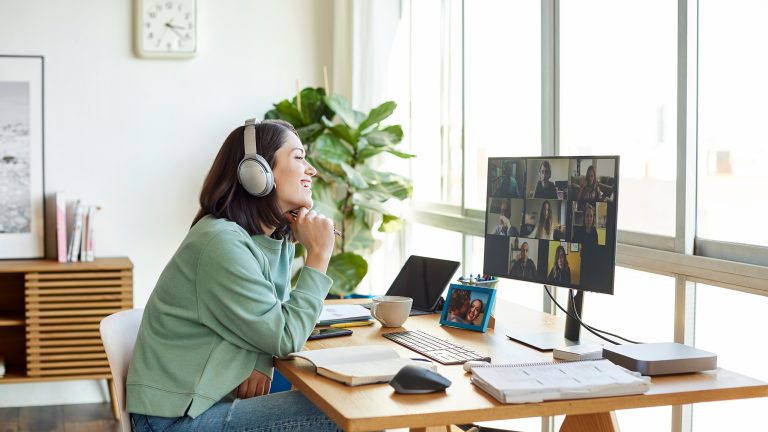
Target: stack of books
x,y
74,230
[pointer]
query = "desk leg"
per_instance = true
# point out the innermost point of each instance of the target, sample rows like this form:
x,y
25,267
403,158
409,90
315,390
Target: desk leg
x,y
598,422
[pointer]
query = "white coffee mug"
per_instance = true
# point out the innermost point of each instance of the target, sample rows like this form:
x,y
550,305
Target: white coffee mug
x,y
391,311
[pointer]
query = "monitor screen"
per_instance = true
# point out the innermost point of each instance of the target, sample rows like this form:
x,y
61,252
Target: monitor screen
x,y
552,220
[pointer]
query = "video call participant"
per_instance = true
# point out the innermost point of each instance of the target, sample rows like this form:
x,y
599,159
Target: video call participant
x,y
544,228
508,187
544,187
586,235
561,272
223,307
504,227
590,189
523,267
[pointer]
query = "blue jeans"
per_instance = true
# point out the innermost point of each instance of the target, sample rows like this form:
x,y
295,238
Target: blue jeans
x,y
286,411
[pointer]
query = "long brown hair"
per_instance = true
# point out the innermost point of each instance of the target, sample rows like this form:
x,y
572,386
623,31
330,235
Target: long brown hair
x,y
224,197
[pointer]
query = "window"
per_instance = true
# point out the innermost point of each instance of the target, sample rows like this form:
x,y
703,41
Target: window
x,y
617,96
603,77
502,87
733,64
738,341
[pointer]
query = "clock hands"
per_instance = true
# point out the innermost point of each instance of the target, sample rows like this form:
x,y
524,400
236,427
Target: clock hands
x,y
175,29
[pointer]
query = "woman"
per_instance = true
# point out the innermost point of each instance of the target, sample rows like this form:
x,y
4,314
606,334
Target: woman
x,y
561,272
476,313
587,236
223,307
590,190
544,228
544,187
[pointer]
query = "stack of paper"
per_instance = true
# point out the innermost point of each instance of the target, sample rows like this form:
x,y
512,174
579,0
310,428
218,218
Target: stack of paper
x,y
333,314
537,382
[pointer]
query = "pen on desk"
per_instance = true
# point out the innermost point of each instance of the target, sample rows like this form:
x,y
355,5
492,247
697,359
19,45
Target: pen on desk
x,y
336,232
352,324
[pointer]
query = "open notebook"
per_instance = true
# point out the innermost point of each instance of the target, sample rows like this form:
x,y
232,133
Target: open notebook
x,y
537,382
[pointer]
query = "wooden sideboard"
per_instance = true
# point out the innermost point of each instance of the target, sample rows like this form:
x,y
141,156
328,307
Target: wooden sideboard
x,y
50,314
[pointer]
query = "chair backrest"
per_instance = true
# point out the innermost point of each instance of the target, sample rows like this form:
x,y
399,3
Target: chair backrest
x,y
118,334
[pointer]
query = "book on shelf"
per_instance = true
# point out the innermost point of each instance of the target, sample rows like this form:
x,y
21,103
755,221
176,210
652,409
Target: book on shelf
x,y
61,227
81,232
357,365
538,382
2,366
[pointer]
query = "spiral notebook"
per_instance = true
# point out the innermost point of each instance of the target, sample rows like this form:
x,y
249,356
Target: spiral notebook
x,y
538,382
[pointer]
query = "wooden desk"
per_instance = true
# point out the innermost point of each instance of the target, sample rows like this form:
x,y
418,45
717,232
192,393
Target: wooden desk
x,y
377,406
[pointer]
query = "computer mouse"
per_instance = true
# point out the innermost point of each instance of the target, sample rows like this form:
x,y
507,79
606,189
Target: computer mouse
x,y
472,363
413,379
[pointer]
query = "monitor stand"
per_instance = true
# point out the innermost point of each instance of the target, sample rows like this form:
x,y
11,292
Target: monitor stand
x,y
548,341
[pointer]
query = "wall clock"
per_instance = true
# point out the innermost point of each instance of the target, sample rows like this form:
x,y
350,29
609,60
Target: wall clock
x,y
165,29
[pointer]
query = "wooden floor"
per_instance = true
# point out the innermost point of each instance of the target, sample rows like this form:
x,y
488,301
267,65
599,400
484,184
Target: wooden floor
x,y
59,418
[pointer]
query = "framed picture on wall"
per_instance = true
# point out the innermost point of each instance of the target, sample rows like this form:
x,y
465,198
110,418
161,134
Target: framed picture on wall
x,y
21,157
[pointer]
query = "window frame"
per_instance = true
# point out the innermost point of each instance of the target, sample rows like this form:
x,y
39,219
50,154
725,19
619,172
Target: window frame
x,y
686,257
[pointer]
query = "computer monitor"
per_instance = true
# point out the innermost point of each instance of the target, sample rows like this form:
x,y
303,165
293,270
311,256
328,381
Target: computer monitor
x,y
552,220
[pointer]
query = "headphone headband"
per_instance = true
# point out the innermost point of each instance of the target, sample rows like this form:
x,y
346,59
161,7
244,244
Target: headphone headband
x,y
249,137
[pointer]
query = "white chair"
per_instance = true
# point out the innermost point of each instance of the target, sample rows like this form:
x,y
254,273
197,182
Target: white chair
x,y
118,334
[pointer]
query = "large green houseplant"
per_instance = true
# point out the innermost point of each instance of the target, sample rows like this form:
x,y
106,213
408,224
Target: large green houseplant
x,y
340,141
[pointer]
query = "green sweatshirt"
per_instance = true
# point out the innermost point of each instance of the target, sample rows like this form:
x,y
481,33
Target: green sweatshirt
x,y
221,308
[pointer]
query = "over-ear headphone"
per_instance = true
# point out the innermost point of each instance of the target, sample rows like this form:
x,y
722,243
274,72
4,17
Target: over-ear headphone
x,y
254,172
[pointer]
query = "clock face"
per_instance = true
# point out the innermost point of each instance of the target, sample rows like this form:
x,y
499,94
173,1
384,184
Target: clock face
x,y
166,28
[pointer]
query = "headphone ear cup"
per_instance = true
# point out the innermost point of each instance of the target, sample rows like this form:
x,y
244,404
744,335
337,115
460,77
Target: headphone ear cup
x,y
255,175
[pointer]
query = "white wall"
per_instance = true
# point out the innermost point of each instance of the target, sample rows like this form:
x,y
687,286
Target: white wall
x,y
138,136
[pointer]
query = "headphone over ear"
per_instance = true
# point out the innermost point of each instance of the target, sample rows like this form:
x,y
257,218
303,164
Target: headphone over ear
x,y
254,172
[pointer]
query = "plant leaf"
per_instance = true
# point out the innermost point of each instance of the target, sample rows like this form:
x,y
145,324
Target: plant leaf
x,y
376,115
354,176
357,235
313,105
398,153
341,107
345,132
387,185
382,138
288,112
325,202
391,224
346,270
329,147
308,134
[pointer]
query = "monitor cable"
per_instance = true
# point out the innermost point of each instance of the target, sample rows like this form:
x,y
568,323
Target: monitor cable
x,y
575,315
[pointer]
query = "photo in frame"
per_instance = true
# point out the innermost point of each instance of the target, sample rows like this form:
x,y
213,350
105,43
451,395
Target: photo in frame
x,y
468,307
21,157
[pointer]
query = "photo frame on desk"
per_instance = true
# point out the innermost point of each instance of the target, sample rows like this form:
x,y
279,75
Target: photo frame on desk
x,y
468,307
21,162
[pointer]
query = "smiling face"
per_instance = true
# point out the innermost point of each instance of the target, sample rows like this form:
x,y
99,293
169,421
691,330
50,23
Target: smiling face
x,y
474,309
293,175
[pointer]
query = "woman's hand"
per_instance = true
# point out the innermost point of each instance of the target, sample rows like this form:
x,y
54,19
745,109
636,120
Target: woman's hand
x,y
256,385
315,232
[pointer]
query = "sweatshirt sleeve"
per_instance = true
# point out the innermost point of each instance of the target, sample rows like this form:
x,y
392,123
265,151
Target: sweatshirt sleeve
x,y
237,299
